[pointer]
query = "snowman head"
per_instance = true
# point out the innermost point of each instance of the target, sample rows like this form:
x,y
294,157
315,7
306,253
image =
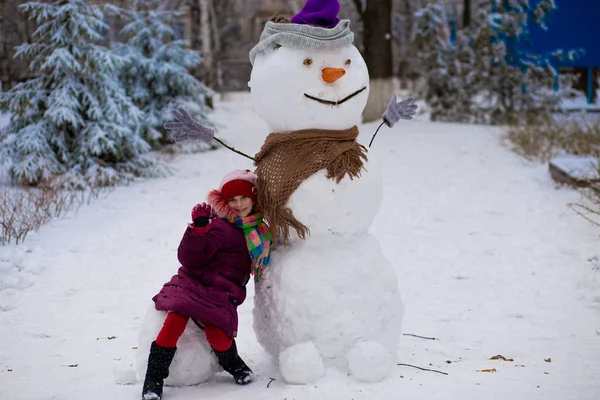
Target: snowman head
x,y
307,74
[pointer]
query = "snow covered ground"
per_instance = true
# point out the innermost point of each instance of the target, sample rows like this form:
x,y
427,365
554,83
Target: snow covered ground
x,y
490,261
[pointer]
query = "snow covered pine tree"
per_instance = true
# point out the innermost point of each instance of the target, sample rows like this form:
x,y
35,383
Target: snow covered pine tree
x,y
73,118
486,75
156,74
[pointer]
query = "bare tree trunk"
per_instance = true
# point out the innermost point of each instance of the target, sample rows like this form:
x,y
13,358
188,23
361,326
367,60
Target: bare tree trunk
x,y
466,17
377,26
3,53
214,25
15,29
215,75
207,54
405,35
195,36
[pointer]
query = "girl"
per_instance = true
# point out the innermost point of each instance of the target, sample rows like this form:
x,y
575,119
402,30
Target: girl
x,y
217,254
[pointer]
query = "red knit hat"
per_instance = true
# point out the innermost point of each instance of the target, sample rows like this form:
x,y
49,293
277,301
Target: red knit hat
x,y
239,183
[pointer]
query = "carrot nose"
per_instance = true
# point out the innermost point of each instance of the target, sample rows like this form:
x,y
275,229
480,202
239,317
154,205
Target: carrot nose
x,y
331,75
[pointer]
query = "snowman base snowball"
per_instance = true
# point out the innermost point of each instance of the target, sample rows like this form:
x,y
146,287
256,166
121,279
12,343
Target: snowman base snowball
x,y
194,360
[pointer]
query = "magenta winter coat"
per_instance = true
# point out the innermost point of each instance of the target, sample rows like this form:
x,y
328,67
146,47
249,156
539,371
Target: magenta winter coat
x,y
211,283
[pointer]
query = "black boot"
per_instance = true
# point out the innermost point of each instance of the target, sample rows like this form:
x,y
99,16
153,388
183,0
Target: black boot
x,y
158,370
232,363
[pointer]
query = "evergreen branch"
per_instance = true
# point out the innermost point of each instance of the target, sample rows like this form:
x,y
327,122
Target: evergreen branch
x,y
424,369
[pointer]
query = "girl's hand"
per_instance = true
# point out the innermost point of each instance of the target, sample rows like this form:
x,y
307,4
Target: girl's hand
x,y
204,211
201,217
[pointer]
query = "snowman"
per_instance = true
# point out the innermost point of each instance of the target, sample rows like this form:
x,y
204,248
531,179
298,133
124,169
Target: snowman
x,y
329,298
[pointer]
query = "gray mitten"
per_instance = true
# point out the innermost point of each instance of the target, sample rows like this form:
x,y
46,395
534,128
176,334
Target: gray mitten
x,y
405,109
187,128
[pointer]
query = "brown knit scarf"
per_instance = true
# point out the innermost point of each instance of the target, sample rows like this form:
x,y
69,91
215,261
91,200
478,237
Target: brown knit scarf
x,y
287,159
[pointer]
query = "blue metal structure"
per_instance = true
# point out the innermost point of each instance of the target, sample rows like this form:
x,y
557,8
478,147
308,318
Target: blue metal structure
x,y
574,25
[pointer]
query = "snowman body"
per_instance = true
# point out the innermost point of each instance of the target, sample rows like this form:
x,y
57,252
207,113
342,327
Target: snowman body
x,y
330,299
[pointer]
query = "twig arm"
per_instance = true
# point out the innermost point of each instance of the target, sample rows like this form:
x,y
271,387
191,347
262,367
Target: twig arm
x,y
375,134
233,149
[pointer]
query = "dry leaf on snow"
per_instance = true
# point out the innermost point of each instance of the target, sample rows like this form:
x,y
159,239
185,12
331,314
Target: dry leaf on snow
x,y
487,370
501,357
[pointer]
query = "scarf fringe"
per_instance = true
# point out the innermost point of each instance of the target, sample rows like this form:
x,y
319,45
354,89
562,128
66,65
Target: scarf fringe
x,y
282,219
350,162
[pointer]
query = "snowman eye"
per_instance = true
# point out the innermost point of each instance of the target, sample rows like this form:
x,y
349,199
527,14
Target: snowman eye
x,y
348,62
307,61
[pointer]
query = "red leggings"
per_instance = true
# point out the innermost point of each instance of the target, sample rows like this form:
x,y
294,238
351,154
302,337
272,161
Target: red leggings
x,y
175,325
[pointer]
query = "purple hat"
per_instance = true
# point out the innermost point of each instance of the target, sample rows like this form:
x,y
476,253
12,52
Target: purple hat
x,y
322,13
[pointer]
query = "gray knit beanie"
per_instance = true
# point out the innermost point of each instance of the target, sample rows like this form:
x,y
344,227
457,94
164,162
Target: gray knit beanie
x,y
303,36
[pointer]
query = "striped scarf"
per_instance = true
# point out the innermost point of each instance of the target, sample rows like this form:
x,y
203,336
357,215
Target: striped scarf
x,y
258,240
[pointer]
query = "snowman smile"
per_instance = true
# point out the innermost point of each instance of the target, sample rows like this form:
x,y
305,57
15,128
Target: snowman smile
x,y
335,103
